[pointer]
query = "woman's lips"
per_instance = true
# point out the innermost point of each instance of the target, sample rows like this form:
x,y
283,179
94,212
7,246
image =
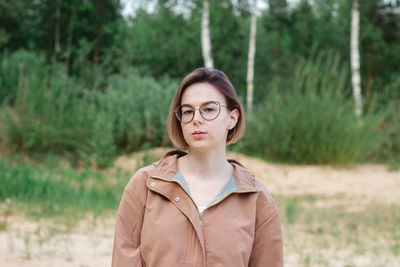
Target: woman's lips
x,y
198,134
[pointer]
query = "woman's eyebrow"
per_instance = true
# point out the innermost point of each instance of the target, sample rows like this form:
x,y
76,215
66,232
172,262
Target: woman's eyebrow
x,y
207,102
186,105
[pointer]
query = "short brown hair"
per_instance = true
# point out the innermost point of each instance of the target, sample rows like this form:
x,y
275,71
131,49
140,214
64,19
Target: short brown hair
x,y
222,83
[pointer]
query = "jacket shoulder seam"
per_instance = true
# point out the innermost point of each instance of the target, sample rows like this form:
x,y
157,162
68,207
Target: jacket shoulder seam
x,y
268,219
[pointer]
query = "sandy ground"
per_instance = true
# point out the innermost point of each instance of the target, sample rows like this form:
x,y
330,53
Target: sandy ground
x,y
47,243
370,181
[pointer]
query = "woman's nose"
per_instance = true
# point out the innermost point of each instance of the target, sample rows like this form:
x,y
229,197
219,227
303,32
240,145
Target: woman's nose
x,y
197,116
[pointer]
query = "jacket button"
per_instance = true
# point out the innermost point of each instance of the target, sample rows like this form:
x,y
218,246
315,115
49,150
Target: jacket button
x,y
177,199
153,184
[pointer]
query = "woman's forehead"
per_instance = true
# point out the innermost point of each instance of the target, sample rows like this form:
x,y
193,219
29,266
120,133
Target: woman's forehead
x,y
200,93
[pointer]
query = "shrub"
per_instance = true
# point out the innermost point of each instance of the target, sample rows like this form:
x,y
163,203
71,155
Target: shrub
x,y
139,107
389,103
12,69
314,121
52,112
47,114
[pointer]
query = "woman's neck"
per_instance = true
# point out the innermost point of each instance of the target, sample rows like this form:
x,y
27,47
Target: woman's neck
x,y
206,163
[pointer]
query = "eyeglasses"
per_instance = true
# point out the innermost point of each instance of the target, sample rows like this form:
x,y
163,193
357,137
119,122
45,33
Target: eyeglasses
x,y
209,111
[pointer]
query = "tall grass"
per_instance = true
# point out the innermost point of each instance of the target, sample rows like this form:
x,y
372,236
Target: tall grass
x,y
52,112
11,65
139,108
313,121
46,114
390,149
60,191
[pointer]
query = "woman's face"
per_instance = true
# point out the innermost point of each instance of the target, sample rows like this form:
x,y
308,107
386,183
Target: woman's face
x,y
201,134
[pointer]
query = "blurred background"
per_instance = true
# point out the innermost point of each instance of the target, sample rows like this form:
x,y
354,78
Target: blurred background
x,y
85,90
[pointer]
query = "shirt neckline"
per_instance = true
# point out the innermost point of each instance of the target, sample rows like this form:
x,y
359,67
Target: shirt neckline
x,y
228,188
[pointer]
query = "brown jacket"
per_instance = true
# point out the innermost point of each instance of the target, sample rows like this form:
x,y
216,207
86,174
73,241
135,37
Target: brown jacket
x,y
158,224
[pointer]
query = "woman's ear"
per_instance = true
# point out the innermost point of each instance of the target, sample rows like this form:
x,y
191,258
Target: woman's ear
x,y
233,118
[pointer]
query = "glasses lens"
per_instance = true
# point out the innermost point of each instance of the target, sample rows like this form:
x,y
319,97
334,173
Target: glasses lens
x,y
209,110
185,113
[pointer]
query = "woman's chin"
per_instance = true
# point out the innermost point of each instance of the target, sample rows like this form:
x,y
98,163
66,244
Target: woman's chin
x,y
199,146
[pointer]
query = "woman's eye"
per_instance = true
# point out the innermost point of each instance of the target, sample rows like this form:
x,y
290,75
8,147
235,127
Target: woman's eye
x,y
187,112
209,109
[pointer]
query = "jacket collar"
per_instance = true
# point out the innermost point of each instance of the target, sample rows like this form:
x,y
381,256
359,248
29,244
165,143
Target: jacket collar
x,y
167,166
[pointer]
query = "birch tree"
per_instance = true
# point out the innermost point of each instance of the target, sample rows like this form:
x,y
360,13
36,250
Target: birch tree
x,y
205,36
355,57
250,59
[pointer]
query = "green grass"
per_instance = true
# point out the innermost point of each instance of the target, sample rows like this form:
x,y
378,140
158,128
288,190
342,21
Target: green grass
x,y
40,190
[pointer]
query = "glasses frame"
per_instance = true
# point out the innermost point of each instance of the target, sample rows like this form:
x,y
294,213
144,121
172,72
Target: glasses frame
x,y
178,108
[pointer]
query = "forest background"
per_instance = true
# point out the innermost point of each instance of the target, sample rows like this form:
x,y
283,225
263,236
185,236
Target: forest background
x,y
80,79
81,84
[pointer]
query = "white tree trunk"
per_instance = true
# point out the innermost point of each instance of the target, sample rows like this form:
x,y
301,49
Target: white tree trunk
x,y
355,57
205,36
250,60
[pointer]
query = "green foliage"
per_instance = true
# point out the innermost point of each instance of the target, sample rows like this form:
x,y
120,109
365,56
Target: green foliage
x,y
13,68
313,122
390,149
157,45
76,91
58,28
229,27
96,32
60,191
380,41
139,109
46,114
52,112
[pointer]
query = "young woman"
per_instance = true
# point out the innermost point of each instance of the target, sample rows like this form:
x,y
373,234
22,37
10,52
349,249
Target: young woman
x,y
197,208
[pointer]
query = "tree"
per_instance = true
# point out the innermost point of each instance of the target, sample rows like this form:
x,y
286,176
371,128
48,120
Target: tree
x,y
355,57
277,5
250,62
57,46
60,28
379,46
205,36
